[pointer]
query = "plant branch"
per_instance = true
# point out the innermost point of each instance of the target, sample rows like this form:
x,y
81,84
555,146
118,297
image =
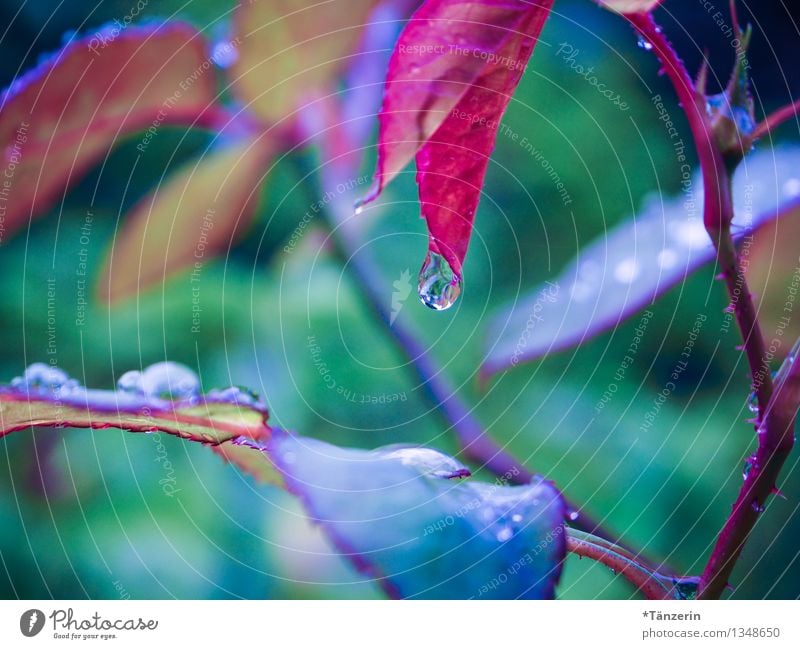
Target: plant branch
x,y
775,441
475,443
774,120
649,582
774,426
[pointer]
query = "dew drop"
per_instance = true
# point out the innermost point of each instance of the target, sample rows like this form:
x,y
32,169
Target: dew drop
x,y
130,382
644,44
169,380
757,508
517,518
626,271
505,534
573,515
224,54
749,463
358,206
439,286
667,258
791,187
752,403
44,377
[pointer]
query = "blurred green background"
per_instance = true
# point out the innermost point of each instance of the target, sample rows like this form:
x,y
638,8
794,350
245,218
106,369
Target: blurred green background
x,y
84,514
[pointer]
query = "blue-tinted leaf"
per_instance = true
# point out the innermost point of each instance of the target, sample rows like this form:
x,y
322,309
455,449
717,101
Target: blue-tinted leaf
x,y
636,262
404,516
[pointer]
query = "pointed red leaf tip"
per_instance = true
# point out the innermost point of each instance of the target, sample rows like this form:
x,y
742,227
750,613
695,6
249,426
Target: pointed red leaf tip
x,y
450,78
630,6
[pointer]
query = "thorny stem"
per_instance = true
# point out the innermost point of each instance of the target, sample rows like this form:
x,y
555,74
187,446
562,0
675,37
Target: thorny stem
x,y
775,425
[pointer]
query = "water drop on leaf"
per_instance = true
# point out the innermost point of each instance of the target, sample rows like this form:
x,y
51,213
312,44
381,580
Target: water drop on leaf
x,y
439,286
169,381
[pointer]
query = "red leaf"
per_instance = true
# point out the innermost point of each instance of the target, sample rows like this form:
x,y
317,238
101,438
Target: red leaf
x,y
60,118
450,79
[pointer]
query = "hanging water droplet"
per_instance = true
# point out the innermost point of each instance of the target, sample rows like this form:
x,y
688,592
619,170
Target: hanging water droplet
x,y
757,508
644,44
573,515
439,286
169,380
505,534
358,206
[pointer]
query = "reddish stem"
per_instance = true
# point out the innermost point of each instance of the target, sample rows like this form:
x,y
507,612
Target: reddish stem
x,y
643,580
774,426
774,120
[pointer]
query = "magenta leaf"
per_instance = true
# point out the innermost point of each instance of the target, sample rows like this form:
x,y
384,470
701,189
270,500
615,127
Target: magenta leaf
x,y
634,263
450,79
60,118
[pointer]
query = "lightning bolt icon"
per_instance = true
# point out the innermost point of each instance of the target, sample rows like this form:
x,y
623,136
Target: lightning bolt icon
x,y
34,617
